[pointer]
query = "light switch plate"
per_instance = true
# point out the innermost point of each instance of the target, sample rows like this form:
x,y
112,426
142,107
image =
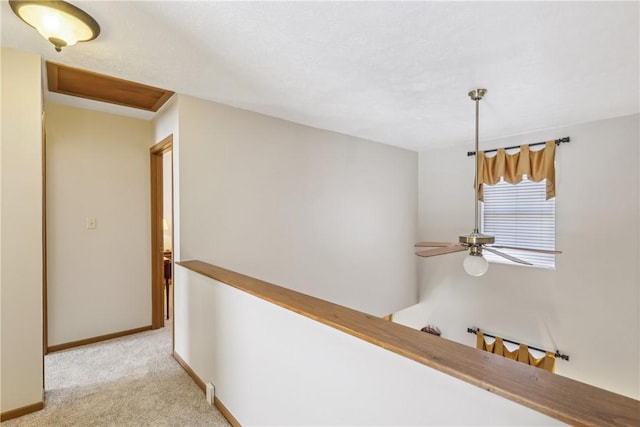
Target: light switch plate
x,y
91,222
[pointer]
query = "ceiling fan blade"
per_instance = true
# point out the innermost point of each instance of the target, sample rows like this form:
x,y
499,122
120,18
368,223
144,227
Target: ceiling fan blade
x,y
442,250
542,251
433,244
509,257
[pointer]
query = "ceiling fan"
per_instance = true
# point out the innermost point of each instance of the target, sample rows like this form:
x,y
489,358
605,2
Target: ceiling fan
x,y
475,264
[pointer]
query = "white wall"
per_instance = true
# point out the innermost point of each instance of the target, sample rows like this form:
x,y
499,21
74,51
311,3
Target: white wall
x,y
21,230
589,306
322,213
99,281
271,366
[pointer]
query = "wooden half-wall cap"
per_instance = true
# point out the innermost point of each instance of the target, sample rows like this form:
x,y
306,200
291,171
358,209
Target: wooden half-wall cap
x,y
100,87
563,398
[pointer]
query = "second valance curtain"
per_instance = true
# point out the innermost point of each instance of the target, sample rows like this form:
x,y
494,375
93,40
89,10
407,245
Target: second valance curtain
x,y
536,165
522,354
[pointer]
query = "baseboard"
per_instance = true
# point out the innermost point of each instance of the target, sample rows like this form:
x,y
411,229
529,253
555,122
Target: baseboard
x,y
225,412
190,371
218,404
15,413
65,346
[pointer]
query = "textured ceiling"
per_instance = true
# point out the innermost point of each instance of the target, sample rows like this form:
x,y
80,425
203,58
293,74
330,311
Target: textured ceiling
x,y
393,72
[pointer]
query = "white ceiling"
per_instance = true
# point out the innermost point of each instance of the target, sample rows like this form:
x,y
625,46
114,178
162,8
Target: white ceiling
x,y
393,72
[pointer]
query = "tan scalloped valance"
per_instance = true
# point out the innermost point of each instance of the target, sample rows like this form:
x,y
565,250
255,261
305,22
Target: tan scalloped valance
x,y
537,165
522,354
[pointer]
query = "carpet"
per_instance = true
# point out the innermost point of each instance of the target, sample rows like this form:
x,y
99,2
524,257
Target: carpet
x,y
128,381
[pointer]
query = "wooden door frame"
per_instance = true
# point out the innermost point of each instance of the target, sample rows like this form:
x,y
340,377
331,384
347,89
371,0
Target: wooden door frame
x,y
157,233
45,315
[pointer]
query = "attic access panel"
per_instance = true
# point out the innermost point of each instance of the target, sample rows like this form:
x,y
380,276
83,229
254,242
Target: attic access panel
x,y
100,87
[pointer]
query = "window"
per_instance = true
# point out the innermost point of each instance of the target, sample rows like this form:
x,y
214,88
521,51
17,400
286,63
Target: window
x,y
519,215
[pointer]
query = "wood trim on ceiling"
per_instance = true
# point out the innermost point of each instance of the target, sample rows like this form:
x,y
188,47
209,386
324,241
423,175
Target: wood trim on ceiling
x,y
100,87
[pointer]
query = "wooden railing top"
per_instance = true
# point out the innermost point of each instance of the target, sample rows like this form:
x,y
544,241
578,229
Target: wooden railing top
x,y
562,398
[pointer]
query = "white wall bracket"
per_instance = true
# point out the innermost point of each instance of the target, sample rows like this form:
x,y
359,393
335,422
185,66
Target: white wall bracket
x,y
211,393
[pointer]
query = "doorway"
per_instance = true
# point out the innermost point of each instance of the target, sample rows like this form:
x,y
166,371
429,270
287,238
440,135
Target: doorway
x,y
162,259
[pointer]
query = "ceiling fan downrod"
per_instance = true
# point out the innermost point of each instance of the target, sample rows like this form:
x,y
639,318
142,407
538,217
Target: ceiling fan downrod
x,y
476,239
476,95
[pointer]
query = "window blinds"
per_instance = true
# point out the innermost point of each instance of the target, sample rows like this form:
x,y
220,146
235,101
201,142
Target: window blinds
x,y
520,215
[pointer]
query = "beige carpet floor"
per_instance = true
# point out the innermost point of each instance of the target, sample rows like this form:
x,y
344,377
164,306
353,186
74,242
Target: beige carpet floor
x,y
129,381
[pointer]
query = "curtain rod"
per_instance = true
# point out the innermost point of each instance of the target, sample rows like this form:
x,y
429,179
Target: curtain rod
x,y
557,141
557,353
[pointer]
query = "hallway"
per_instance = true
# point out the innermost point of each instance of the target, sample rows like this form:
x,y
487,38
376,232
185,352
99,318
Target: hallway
x,y
129,381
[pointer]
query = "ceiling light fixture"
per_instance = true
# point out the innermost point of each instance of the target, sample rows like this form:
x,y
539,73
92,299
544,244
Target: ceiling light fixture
x,y
60,22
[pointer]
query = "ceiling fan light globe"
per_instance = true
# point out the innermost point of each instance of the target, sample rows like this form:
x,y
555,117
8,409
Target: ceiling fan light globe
x,y
475,265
